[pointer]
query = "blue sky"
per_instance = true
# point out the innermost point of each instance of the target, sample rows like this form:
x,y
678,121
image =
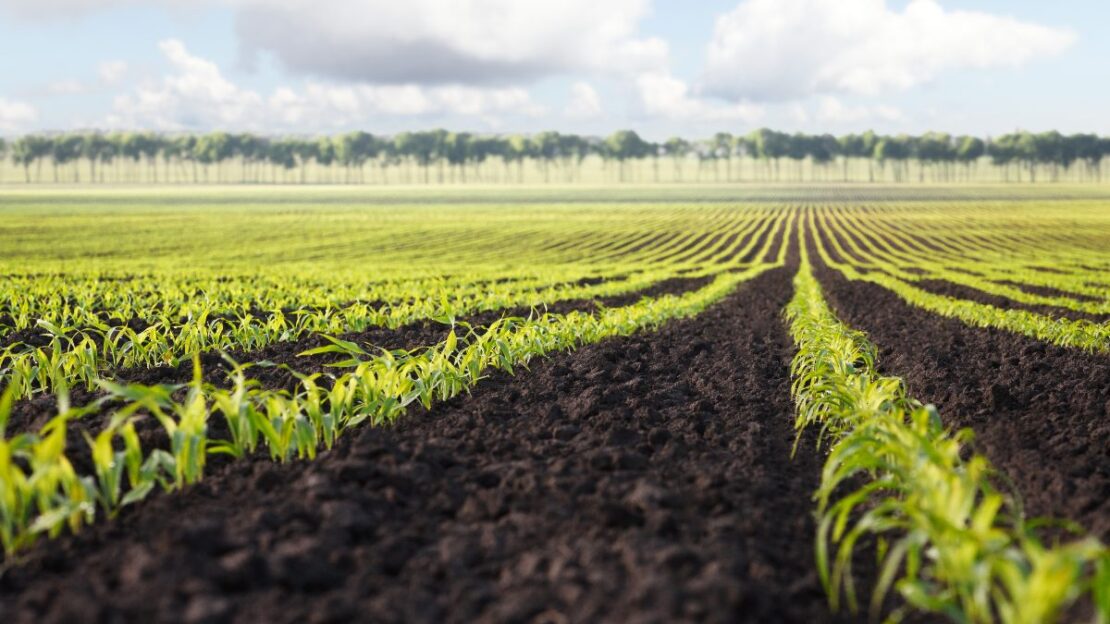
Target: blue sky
x,y
662,67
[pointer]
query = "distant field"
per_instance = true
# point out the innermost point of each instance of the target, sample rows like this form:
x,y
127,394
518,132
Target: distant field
x,y
654,353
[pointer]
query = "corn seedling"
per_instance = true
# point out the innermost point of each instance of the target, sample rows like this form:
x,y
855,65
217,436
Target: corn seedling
x,y
952,545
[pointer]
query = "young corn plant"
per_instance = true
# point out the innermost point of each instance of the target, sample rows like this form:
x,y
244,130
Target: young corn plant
x,y
111,465
40,492
185,424
949,542
245,422
377,389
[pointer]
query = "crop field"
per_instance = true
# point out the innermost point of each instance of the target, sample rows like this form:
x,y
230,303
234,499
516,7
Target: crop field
x,y
549,404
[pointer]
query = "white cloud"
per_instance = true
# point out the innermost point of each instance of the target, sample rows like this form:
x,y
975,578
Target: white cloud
x,y
784,49
111,72
584,102
449,41
196,95
476,42
663,95
15,116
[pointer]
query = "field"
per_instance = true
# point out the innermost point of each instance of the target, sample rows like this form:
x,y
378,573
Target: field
x,y
630,403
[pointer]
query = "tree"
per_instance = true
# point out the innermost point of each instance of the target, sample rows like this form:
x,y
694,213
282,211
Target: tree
x,y
722,143
484,148
1026,146
354,149
797,148
325,152
304,152
64,150
1048,149
895,150
421,147
456,147
185,150
934,148
30,150
282,155
129,145
95,148
1088,149
1046,155
969,150
149,145
864,148
823,150
624,145
545,148
573,150
517,148
252,149
770,146
678,149
213,148
852,146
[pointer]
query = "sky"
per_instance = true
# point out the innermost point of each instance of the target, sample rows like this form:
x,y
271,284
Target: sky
x,y
661,67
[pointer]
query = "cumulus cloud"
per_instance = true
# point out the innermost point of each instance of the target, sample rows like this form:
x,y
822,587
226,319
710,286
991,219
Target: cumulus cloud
x,y
663,95
448,41
804,61
584,102
784,49
475,42
16,116
197,95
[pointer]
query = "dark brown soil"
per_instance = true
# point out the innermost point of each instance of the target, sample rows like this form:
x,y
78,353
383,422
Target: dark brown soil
x,y
761,235
1040,413
941,287
642,479
686,247
1048,291
731,244
31,414
707,244
646,242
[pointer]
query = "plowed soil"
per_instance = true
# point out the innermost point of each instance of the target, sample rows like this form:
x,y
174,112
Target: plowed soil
x,y
941,287
1040,413
31,414
643,479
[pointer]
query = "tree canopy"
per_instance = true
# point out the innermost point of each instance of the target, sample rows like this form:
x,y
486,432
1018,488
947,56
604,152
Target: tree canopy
x,y
421,151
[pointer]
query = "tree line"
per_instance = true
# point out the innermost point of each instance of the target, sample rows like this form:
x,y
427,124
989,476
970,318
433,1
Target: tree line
x,y
442,156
